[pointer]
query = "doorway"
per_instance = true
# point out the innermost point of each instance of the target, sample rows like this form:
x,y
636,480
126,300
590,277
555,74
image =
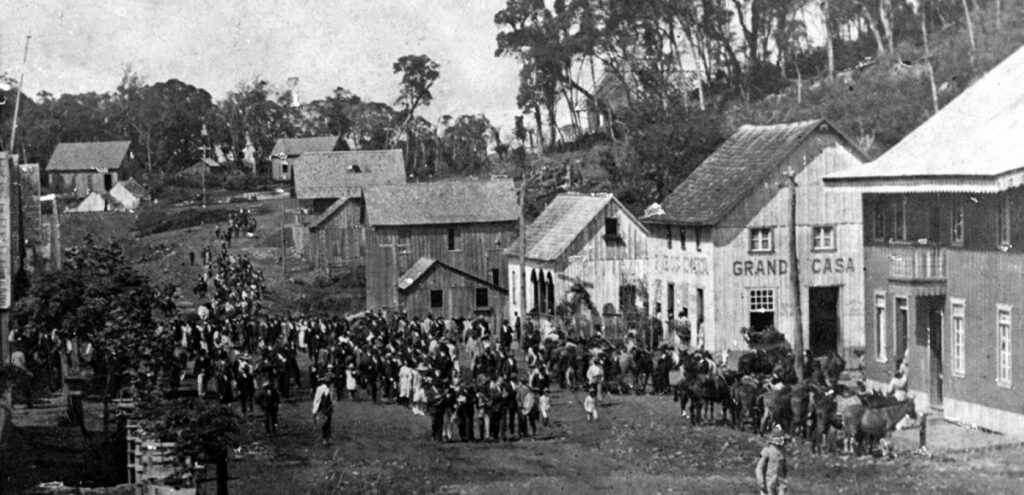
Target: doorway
x,y
824,320
935,371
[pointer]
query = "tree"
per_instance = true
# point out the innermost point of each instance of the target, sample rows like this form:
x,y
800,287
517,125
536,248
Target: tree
x,y
419,73
203,430
97,298
251,113
465,143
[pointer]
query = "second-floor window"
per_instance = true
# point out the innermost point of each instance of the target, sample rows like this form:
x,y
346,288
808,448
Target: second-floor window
x,y
611,228
682,238
956,234
899,219
824,238
760,240
668,232
878,224
453,239
1004,222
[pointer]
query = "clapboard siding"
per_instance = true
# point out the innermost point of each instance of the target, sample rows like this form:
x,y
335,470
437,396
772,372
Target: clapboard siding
x,y
393,250
687,266
600,265
339,240
737,270
458,297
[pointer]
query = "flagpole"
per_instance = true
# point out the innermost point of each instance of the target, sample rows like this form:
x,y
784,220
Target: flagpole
x,y
17,99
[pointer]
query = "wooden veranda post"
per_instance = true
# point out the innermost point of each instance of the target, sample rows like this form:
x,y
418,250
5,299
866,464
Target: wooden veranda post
x,y
522,247
794,279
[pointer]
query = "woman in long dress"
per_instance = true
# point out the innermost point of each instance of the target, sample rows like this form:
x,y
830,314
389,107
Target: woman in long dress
x,y
405,374
419,396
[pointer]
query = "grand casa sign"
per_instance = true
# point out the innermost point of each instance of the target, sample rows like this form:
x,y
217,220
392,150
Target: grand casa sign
x,y
761,267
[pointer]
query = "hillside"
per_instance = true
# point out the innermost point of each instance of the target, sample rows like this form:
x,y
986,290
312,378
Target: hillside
x,y
875,101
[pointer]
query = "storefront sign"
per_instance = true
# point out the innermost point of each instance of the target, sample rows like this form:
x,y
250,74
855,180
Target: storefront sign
x,y
762,267
688,265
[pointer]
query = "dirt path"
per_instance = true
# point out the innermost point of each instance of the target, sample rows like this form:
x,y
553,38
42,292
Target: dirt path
x,y
639,445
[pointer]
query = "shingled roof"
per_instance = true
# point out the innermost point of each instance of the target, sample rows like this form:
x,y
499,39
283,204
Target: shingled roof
x,y
739,165
298,146
71,157
423,266
326,215
338,174
560,224
439,203
135,188
973,145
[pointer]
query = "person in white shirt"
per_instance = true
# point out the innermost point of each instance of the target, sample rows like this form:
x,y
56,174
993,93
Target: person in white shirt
x,y
323,404
595,377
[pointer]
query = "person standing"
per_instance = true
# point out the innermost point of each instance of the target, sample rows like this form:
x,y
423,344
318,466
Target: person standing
x,y
405,374
271,402
771,470
595,377
323,404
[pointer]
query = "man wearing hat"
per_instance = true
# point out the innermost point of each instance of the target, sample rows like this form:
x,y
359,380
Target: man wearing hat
x,y
271,402
771,468
323,404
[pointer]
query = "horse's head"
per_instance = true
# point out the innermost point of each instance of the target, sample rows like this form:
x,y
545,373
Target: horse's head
x,y
910,408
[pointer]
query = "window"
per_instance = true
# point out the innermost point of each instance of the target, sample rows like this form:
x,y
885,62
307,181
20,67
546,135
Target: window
x,y
902,325
481,298
1004,222
1004,377
899,219
762,309
878,224
403,241
682,238
437,299
760,240
284,168
824,238
959,362
670,296
668,232
611,228
956,234
881,337
453,240
696,238
496,276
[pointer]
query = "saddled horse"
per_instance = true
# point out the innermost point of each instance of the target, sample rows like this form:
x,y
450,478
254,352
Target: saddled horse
x,y
638,366
777,409
826,420
867,426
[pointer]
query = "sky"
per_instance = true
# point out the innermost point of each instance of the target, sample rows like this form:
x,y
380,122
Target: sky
x,y
80,46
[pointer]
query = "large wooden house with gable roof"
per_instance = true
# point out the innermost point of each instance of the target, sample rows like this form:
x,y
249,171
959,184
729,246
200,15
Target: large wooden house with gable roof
x,y
437,247
944,254
581,242
80,168
719,247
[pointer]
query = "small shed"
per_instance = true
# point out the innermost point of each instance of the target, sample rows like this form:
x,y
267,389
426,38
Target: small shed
x,y
430,286
206,165
291,148
81,168
129,193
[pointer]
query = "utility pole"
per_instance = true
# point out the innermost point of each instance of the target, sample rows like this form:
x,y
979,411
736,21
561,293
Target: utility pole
x,y
523,309
284,221
17,101
203,169
794,279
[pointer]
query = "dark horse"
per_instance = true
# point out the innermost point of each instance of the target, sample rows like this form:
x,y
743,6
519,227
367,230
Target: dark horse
x,y
866,426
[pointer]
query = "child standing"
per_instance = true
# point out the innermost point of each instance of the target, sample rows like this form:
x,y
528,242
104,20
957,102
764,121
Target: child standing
x,y
590,404
771,468
350,381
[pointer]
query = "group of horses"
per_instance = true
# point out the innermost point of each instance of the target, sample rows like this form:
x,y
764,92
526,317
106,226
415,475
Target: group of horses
x,y
758,391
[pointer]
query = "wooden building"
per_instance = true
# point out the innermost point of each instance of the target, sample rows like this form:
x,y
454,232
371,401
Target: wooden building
x,y
720,246
448,239
331,185
80,168
321,178
944,253
581,242
288,149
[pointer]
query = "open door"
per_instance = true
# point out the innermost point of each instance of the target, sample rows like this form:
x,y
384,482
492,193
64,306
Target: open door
x,y
823,320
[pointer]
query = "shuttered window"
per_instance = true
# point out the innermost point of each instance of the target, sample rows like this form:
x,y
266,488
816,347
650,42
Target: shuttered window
x,y
959,347
1004,375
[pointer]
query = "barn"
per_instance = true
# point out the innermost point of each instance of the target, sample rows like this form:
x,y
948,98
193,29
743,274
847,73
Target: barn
x,y
330,185
447,238
944,253
288,149
719,245
585,252
78,169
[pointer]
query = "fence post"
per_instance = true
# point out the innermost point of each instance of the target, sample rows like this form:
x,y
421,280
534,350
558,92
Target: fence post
x,y
923,433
